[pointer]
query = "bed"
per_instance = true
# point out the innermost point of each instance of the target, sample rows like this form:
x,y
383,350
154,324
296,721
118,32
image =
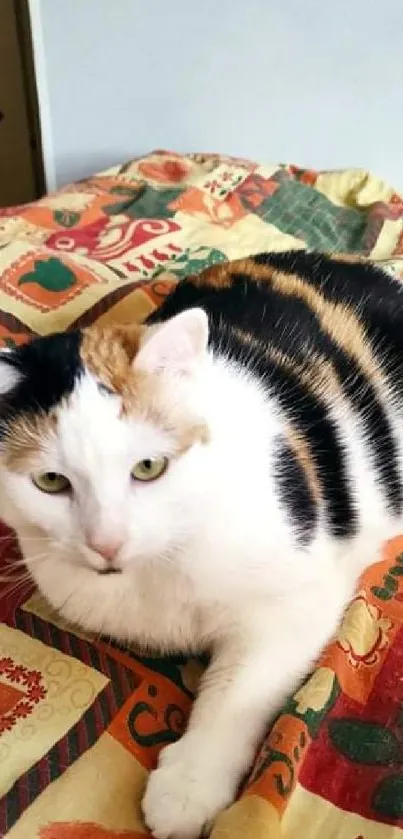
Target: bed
x,y
81,719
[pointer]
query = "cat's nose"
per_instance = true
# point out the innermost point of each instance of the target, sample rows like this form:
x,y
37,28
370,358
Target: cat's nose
x,y
108,550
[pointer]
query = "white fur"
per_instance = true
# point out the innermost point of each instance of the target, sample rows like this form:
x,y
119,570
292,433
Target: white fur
x,y
9,376
207,557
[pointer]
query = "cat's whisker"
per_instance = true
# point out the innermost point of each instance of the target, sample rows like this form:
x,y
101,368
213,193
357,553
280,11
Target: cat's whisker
x,y
19,561
12,541
12,591
11,578
14,584
29,560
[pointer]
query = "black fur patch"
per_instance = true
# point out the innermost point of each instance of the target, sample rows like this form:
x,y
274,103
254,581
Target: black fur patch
x,y
310,416
287,324
50,367
377,297
295,493
378,301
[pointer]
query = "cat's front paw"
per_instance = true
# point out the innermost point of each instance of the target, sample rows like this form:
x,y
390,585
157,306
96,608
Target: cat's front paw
x,y
184,795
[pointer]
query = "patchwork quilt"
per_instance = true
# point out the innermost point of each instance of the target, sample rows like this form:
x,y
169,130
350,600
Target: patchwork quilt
x,y
81,719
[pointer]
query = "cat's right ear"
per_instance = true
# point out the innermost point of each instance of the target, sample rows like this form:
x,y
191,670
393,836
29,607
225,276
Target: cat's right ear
x,y
175,345
9,374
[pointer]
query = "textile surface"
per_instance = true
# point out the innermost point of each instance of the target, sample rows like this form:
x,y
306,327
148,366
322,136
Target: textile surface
x,y
82,720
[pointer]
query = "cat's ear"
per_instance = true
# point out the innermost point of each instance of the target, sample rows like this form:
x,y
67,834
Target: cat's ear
x,y
9,375
176,345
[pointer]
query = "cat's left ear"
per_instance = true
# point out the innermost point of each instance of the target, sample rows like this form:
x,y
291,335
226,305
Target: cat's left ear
x,y
176,345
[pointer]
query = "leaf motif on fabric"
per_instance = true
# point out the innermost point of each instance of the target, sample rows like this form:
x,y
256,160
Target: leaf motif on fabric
x,y
66,218
388,797
365,742
196,260
381,593
363,632
390,583
51,274
316,692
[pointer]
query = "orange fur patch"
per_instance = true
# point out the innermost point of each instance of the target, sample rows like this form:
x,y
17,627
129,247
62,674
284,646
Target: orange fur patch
x,y
337,319
302,451
352,258
316,372
221,276
109,354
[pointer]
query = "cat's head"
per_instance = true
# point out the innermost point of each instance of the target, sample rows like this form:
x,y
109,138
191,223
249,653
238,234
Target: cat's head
x,y
100,435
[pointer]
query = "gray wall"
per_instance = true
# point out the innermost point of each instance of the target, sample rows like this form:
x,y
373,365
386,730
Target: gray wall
x,y
315,82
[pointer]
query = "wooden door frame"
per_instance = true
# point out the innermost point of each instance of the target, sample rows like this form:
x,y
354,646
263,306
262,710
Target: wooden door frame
x,y
31,94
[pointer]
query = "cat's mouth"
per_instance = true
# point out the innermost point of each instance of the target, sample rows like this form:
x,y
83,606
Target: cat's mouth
x,y
104,571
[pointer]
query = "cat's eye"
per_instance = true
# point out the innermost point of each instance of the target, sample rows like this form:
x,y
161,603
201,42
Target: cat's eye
x,y
149,469
51,482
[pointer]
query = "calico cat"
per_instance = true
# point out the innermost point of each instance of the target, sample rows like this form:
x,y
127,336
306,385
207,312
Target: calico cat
x,y
215,480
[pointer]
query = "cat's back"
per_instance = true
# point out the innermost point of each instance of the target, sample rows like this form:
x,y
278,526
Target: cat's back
x,y
297,301
324,336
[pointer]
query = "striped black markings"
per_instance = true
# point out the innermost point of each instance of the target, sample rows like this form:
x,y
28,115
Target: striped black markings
x,y
310,417
369,292
295,492
239,300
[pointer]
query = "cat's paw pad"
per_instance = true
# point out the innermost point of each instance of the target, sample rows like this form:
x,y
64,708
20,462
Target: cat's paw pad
x,y
181,801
